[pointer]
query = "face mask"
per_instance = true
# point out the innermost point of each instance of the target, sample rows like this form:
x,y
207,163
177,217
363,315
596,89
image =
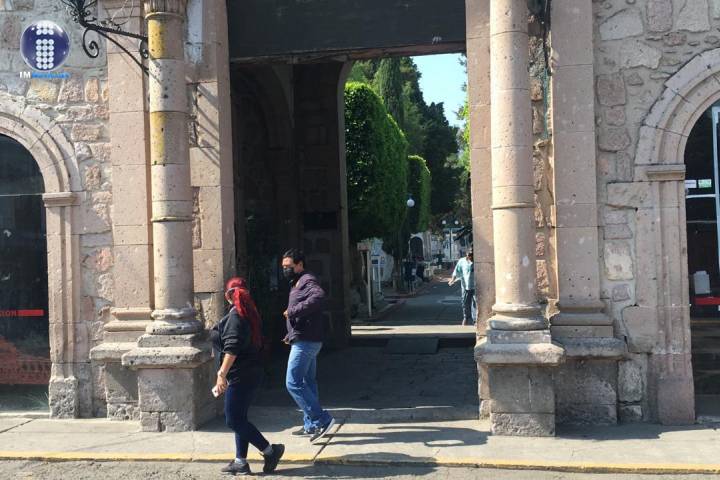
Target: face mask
x,y
288,273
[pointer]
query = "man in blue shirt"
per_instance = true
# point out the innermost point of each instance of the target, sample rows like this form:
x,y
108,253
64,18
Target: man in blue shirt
x,y
465,272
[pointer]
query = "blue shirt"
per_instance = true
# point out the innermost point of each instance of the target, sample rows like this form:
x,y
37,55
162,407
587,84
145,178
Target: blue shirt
x,y
465,271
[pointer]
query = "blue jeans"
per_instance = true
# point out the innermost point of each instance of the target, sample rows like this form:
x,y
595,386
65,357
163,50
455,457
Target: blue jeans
x,y
237,402
469,306
302,385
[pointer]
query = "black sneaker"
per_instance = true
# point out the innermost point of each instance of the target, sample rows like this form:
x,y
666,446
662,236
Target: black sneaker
x,y
235,468
321,432
272,460
300,432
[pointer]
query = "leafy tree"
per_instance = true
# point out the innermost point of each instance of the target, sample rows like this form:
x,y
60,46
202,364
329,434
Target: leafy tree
x,y
376,163
419,187
389,85
439,147
426,128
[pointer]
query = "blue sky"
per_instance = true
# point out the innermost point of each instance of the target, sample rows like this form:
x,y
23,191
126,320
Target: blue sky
x,y
441,81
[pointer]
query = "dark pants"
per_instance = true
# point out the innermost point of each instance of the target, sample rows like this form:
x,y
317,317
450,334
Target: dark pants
x,y
469,306
237,402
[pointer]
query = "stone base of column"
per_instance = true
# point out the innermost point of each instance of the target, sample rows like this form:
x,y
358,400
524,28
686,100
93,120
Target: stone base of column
x,y
586,321
587,385
120,382
175,376
520,381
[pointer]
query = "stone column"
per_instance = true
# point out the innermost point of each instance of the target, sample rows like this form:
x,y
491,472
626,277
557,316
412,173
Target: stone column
x,y
587,390
518,349
173,388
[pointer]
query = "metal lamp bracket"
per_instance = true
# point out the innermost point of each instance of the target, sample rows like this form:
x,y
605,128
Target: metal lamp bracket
x,y
81,11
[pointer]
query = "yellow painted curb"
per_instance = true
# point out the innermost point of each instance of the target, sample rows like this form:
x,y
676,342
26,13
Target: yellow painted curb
x,y
570,467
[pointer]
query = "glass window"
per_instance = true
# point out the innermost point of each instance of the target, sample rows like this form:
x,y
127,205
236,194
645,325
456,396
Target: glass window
x,y
24,341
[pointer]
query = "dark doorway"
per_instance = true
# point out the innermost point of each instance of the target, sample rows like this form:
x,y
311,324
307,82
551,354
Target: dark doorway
x,y
24,334
701,204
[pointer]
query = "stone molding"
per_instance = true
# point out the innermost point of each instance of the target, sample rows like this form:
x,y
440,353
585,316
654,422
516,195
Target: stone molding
x,y
657,194
174,7
130,313
538,354
662,173
60,199
594,348
54,155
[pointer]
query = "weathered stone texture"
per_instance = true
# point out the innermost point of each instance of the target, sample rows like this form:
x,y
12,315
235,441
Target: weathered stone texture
x,y
693,16
659,15
631,379
586,392
613,139
618,260
621,293
42,91
611,90
625,23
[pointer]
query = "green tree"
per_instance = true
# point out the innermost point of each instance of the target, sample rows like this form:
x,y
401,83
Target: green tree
x,y
389,85
426,128
419,186
377,166
440,152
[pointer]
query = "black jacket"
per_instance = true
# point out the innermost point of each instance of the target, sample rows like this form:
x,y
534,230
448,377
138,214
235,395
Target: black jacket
x,y
233,335
305,319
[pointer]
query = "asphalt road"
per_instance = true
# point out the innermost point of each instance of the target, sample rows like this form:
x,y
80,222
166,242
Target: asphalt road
x,y
16,470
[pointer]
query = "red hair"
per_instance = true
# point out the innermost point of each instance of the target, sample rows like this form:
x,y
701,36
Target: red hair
x,y
236,288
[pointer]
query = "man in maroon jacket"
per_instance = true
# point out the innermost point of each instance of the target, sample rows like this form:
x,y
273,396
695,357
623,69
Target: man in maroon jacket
x,y
305,325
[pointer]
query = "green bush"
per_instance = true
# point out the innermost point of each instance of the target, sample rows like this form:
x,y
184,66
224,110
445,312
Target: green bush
x,y
377,166
419,187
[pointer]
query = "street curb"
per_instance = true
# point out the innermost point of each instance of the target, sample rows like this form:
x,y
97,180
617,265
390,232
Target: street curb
x,y
141,457
390,308
568,467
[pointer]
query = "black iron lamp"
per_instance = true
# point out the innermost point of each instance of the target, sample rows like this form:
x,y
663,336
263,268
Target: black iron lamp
x,y
82,13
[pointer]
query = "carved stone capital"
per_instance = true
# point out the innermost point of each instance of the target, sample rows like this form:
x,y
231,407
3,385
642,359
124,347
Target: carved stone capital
x,y
173,7
60,199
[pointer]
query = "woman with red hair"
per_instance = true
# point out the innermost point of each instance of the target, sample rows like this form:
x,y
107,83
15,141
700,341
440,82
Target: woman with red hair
x,y
237,342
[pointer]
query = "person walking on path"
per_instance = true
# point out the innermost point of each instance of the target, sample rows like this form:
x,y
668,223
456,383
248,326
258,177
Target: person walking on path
x,y
465,272
237,341
305,327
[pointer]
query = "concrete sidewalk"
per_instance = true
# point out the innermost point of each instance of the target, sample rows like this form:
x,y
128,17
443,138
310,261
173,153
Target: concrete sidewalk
x,y
393,437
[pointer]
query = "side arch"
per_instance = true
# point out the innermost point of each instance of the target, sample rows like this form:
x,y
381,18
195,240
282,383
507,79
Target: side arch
x,y
55,157
657,194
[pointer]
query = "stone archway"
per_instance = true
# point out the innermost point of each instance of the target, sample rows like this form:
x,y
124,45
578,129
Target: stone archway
x,y
47,144
661,319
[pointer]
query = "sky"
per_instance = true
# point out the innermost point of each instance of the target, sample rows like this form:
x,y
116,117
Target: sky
x,y
441,81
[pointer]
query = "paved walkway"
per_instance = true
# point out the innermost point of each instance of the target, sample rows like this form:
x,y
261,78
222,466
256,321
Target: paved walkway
x,y
396,404
435,312
365,438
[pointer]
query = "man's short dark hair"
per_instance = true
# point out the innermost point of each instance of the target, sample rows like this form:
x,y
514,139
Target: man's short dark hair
x,y
295,255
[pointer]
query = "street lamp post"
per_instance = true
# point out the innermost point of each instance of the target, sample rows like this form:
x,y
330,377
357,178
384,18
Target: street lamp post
x,y
452,231
410,203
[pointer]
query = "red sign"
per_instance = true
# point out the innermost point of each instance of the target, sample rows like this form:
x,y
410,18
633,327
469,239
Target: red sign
x,y
22,313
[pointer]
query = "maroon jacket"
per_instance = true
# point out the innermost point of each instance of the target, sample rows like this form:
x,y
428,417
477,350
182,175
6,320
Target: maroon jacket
x,y
305,320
